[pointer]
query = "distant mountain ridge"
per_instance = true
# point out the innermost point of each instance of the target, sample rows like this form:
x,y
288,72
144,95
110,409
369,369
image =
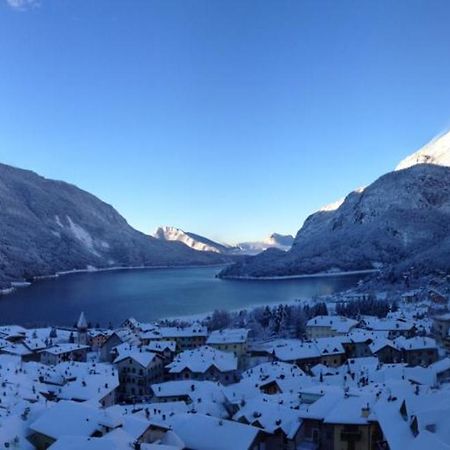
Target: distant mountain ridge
x,y
49,226
192,240
201,243
400,220
275,240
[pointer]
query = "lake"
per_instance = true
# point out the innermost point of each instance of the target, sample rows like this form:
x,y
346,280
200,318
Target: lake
x,y
150,294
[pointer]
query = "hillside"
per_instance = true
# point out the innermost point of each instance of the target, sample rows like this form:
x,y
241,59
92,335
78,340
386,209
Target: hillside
x,y
49,226
400,220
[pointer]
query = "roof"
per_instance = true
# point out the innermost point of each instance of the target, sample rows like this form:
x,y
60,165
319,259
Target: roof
x,y
350,411
387,324
340,324
416,343
215,433
266,372
295,349
60,349
228,336
160,346
67,418
265,413
89,443
142,357
431,412
441,366
379,344
205,397
199,360
179,332
445,317
34,344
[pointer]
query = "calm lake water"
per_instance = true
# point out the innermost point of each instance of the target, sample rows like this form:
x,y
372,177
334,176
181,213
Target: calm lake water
x,y
150,294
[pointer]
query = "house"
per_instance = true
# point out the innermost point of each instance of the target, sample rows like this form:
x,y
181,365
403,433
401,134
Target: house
x,y
329,326
132,324
114,339
64,418
441,369
441,326
97,338
82,426
327,351
273,377
233,340
418,351
351,424
437,297
386,351
204,363
202,432
138,369
313,412
80,382
13,333
414,422
331,351
357,343
204,397
282,423
394,327
411,296
64,352
106,349
166,349
188,337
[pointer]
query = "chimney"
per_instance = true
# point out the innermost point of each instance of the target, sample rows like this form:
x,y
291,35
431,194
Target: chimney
x,y
365,411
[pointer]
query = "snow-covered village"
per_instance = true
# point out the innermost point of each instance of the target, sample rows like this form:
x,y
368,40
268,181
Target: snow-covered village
x,y
356,370
224,225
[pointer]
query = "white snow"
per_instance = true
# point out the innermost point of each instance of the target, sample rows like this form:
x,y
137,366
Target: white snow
x,y
82,235
177,234
58,222
435,152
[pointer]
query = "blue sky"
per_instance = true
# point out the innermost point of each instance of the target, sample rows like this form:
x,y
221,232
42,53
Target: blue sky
x,y
228,118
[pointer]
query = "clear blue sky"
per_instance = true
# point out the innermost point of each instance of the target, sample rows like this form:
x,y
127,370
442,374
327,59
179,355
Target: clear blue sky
x,y
228,118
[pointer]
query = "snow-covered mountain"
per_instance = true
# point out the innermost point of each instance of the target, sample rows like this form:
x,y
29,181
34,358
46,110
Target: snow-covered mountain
x,y
49,226
435,152
275,240
192,240
201,243
401,219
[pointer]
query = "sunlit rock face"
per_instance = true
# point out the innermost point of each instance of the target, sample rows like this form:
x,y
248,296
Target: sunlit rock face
x,y
435,152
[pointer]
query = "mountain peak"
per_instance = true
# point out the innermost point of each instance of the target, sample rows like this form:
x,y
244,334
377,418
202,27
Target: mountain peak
x,y
437,152
192,240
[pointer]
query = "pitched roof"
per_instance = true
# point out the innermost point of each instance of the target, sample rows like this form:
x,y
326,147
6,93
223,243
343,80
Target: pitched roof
x,y
201,359
215,433
142,357
228,336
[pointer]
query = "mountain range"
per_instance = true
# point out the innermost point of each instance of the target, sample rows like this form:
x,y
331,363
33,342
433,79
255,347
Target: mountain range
x,y
400,220
201,243
192,240
49,226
